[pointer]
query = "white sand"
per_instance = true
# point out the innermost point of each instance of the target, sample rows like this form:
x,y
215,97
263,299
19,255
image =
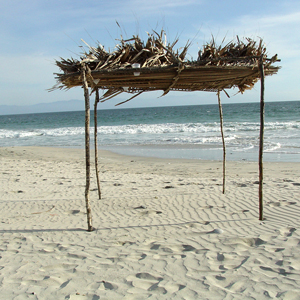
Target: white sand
x,y
164,230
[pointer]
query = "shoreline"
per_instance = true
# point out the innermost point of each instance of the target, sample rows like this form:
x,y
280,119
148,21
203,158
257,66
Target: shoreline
x,y
108,156
196,152
163,228
111,151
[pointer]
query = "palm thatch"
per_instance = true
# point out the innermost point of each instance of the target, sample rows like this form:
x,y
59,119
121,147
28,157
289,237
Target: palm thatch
x,y
160,67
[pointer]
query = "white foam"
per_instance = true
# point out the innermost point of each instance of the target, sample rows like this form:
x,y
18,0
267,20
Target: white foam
x,y
242,137
273,148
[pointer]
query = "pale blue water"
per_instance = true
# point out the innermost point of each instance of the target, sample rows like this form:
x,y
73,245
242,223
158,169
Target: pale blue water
x,y
168,132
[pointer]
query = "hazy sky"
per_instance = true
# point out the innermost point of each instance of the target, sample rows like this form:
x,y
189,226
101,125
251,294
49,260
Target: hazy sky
x,y
36,32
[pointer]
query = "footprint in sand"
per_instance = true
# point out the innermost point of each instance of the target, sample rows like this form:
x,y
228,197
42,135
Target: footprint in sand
x,y
173,250
78,296
279,271
146,281
242,185
149,213
197,224
281,203
74,212
148,276
105,285
140,207
63,267
244,243
217,231
239,211
206,207
287,231
231,262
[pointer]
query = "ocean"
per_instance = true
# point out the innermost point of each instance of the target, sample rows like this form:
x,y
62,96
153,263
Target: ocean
x,y
191,132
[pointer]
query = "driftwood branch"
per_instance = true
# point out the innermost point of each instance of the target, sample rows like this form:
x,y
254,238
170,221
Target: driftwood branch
x,y
223,141
261,138
129,98
87,148
96,141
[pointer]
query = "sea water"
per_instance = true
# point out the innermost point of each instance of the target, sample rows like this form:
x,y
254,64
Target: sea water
x,y
167,132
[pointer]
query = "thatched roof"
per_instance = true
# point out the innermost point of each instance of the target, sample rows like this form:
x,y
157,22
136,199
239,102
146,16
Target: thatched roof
x,y
162,68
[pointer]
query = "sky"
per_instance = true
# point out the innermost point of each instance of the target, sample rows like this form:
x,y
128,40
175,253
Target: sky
x,y
34,33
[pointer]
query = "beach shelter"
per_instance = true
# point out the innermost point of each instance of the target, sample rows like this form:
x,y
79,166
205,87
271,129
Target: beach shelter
x,y
135,67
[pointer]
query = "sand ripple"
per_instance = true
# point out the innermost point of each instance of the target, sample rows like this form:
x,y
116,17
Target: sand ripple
x,y
160,233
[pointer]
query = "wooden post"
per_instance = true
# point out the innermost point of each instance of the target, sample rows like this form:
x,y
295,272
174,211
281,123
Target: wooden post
x,y
261,138
96,142
87,147
223,141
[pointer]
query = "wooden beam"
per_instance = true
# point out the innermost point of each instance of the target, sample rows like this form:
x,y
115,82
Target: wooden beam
x,y
87,147
261,138
223,141
96,141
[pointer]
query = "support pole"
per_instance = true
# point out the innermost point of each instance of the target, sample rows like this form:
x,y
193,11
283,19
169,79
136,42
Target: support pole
x,y
96,141
261,138
223,141
87,147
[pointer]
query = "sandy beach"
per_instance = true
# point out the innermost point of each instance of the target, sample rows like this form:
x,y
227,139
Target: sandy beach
x,y
164,230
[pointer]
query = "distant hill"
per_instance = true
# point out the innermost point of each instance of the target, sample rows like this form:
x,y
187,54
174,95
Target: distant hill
x,y
58,106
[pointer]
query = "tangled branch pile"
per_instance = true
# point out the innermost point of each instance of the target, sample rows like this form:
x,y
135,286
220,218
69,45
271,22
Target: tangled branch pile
x,y
240,53
160,67
154,53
